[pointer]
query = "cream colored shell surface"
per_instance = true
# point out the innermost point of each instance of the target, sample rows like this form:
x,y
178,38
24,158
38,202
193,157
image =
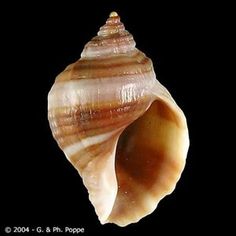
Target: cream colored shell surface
x,y
118,126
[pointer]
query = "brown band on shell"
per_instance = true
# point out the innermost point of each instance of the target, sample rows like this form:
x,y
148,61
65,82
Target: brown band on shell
x,y
135,63
68,126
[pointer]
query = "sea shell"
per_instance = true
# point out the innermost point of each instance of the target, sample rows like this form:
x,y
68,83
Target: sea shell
x,y
118,126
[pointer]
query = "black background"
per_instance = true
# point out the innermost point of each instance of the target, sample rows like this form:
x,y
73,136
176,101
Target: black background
x,y
39,186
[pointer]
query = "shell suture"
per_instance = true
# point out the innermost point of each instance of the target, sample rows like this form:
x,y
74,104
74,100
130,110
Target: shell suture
x,y
118,126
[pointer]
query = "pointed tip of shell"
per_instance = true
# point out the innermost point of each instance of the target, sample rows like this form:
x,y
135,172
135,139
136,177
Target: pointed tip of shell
x,y
112,39
113,14
112,26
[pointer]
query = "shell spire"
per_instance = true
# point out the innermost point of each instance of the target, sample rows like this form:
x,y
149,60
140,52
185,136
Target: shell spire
x,y
112,39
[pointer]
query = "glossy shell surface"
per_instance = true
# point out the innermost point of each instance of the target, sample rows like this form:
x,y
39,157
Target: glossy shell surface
x,y
118,126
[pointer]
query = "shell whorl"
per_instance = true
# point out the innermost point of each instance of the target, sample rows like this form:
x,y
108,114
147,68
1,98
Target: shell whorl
x,y
111,40
118,126
111,53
